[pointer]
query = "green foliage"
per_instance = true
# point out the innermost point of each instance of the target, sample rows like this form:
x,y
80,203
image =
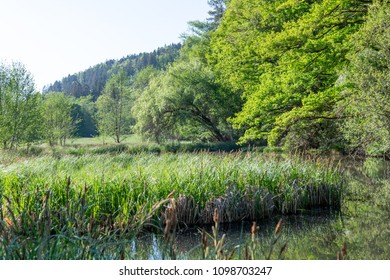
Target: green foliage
x,y
289,54
122,184
197,41
20,116
113,108
185,102
93,80
296,74
57,114
148,108
218,8
84,110
366,102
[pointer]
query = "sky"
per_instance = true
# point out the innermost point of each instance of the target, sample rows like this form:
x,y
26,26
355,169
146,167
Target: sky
x,y
54,38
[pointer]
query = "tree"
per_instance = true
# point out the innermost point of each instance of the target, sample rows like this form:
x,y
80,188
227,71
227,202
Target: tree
x,y
83,114
365,106
196,98
217,12
285,57
186,102
114,106
197,41
19,106
58,122
149,106
93,80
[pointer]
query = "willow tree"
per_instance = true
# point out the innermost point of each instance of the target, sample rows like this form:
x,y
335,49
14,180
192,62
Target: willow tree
x,y
186,102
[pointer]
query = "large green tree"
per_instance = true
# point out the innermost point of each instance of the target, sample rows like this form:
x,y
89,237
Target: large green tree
x,y
365,106
114,106
285,57
188,102
20,116
148,111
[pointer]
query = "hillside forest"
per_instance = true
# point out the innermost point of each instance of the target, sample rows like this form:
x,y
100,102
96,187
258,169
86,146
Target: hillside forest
x,y
296,74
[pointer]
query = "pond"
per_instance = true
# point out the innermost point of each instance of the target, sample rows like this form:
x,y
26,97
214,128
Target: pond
x,y
361,230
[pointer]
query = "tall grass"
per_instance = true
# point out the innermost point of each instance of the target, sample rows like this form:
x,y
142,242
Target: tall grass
x,y
99,197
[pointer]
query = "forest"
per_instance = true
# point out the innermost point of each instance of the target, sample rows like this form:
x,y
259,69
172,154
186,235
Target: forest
x,y
271,112
296,74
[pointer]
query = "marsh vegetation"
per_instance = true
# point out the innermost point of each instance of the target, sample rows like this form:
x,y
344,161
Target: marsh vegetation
x,y
101,205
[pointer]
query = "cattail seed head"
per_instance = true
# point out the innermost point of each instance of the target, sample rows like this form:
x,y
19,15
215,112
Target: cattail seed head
x,y
204,240
254,231
278,227
216,216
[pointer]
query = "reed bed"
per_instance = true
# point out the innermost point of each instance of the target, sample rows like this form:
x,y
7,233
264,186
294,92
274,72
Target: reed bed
x,y
99,197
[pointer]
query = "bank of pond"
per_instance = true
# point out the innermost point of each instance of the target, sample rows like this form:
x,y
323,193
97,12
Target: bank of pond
x,y
136,206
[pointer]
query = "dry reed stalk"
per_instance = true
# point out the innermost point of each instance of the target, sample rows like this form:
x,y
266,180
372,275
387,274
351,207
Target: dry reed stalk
x,y
187,210
260,203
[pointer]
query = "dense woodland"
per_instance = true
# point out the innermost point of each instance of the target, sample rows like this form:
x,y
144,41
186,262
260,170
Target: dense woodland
x,y
291,73
92,81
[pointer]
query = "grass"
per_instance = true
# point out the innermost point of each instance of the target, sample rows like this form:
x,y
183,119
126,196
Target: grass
x,y
93,202
131,144
99,140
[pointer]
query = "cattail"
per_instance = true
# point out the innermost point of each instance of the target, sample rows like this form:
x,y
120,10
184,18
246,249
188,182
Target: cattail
x,y
254,231
6,232
205,245
83,196
170,219
204,240
278,227
8,222
216,216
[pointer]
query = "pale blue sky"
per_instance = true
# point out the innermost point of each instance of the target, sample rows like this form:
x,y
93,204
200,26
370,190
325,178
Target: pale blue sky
x,y
54,38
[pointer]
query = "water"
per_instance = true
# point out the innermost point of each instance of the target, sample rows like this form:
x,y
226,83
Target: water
x,y
361,230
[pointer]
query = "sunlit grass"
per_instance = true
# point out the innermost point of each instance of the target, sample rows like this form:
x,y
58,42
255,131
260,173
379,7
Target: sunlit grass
x,y
100,197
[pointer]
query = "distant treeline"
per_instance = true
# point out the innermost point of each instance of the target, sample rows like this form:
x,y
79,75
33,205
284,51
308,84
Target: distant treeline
x,y
92,81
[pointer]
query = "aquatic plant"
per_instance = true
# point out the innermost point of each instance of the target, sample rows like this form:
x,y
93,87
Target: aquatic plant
x,y
47,200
